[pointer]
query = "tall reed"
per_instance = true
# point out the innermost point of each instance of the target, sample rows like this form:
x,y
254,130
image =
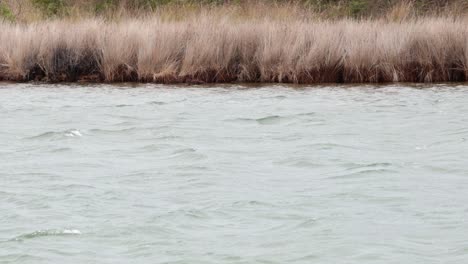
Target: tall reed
x,y
221,48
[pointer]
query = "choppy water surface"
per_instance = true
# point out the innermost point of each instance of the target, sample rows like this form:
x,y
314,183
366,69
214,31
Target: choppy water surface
x,y
155,174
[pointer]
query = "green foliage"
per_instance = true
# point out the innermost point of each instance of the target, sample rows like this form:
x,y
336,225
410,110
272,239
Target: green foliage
x,y
104,5
326,8
151,3
50,7
357,7
5,13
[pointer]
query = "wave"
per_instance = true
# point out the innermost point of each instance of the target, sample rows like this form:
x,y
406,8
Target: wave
x,y
300,162
109,131
156,103
328,146
362,170
57,135
275,119
46,233
267,120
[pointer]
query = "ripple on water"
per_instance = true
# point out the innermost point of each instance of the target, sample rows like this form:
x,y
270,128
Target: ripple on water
x,y
300,162
267,120
123,105
156,103
186,154
330,146
113,132
364,173
53,135
46,233
276,119
60,150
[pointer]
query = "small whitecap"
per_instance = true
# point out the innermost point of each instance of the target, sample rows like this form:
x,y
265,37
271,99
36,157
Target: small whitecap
x,y
48,232
71,232
73,133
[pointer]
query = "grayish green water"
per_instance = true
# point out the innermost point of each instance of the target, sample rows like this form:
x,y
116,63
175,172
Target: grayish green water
x,y
157,174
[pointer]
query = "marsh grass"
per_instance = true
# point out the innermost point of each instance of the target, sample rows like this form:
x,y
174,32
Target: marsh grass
x,y
225,45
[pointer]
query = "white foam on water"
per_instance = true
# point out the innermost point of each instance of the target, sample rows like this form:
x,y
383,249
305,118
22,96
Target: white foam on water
x,y
46,233
73,133
71,232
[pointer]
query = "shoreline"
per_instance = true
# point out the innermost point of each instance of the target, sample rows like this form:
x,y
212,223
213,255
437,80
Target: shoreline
x,y
215,49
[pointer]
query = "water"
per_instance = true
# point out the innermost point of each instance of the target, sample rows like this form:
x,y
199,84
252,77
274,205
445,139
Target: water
x,y
157,174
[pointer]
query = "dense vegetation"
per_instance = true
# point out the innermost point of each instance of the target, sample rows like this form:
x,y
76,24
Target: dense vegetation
x,y
174,41
27,10
214,48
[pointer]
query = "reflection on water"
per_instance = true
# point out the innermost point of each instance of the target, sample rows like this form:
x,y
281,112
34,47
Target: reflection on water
x,y
233,174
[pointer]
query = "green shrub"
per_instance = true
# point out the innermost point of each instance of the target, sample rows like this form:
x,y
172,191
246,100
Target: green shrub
x,y
5,13
50,7
152,3
357,7
104,5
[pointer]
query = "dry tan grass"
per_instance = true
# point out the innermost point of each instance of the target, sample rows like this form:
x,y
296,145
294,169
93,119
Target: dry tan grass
x,y
210,47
